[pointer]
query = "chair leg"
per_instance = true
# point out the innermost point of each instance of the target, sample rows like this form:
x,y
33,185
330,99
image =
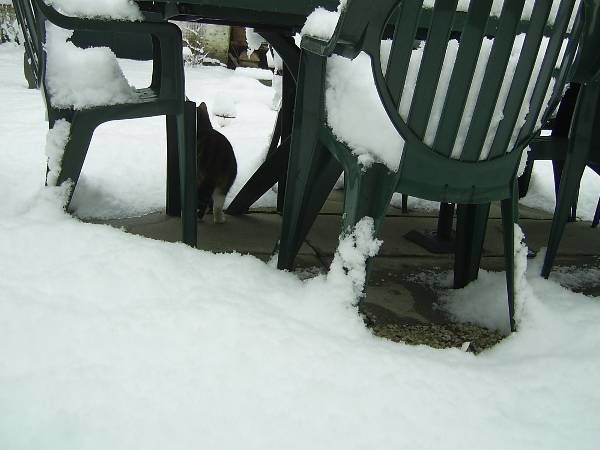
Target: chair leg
x,y
186,132
80,136
561,127
173,202
261,181
471,223
404,199
509,218
569,187
584,123
304,159
525,179
596,219
367,194
558,167
445,219
596,215
287,113
324,174
557,170
28,72
293,206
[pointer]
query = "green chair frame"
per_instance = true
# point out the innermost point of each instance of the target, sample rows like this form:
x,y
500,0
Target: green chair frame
x,y
32,56
582,149
317,157
567,142
553,147
164,96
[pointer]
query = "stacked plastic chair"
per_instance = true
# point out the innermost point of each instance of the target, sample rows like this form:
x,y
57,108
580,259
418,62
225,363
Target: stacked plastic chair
x,y
467,149
164,96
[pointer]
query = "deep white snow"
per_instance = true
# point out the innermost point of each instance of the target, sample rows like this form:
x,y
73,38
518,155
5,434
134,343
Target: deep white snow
x,y
321,23
83,78
350,92
56,141
109,9
114,341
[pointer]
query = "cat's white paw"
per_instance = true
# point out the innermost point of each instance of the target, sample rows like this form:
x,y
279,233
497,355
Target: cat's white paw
x,y
219,218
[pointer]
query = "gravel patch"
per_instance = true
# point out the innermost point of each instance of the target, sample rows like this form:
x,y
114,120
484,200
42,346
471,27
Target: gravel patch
x,y
467,336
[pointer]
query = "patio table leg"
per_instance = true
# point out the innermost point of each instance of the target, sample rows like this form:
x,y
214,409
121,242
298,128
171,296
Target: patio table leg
x,y
471,223
187,173
596,216
274,168
173,192
287,119
440,240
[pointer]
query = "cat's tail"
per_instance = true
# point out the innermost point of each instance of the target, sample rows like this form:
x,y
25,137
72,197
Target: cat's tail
x,y
203,124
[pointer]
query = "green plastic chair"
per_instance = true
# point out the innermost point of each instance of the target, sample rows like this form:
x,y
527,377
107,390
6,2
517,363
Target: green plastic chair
x,y
31,41
471,180
124,45
164,96
583,149
556,149
553,146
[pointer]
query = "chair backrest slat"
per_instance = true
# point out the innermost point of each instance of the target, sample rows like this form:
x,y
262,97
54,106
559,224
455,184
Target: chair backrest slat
x,y
498,75
477,74
31,23
498,138
565,64
541,90
469,142
405,28
28,24
462,76
431,65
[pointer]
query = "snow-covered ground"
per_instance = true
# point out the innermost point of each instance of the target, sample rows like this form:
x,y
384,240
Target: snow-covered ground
x,y
114,341
124,174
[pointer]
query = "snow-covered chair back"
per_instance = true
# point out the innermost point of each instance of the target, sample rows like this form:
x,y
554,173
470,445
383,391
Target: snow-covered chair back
x,y
434,99
466,81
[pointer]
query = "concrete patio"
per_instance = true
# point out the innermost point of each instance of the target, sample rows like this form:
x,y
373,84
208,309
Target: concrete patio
x,y
395,295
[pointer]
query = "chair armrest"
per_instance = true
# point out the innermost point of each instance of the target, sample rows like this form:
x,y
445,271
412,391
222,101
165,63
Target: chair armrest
x,y
346,39
316,45
167,70
327,48
108,25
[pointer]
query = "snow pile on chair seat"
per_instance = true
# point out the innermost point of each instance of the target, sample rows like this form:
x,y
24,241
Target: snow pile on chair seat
x,y
106,9
321,23
83,78
355,112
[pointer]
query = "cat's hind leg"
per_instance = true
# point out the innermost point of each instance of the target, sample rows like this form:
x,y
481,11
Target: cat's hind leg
x,y
218,201
204,200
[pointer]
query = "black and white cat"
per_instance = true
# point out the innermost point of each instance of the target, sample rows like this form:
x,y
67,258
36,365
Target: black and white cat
x,y
217,166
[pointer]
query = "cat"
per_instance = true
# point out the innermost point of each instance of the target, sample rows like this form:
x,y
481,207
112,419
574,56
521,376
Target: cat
x,y
217,166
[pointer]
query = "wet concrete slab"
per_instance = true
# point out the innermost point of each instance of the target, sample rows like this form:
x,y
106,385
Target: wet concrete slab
x,y
398,290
